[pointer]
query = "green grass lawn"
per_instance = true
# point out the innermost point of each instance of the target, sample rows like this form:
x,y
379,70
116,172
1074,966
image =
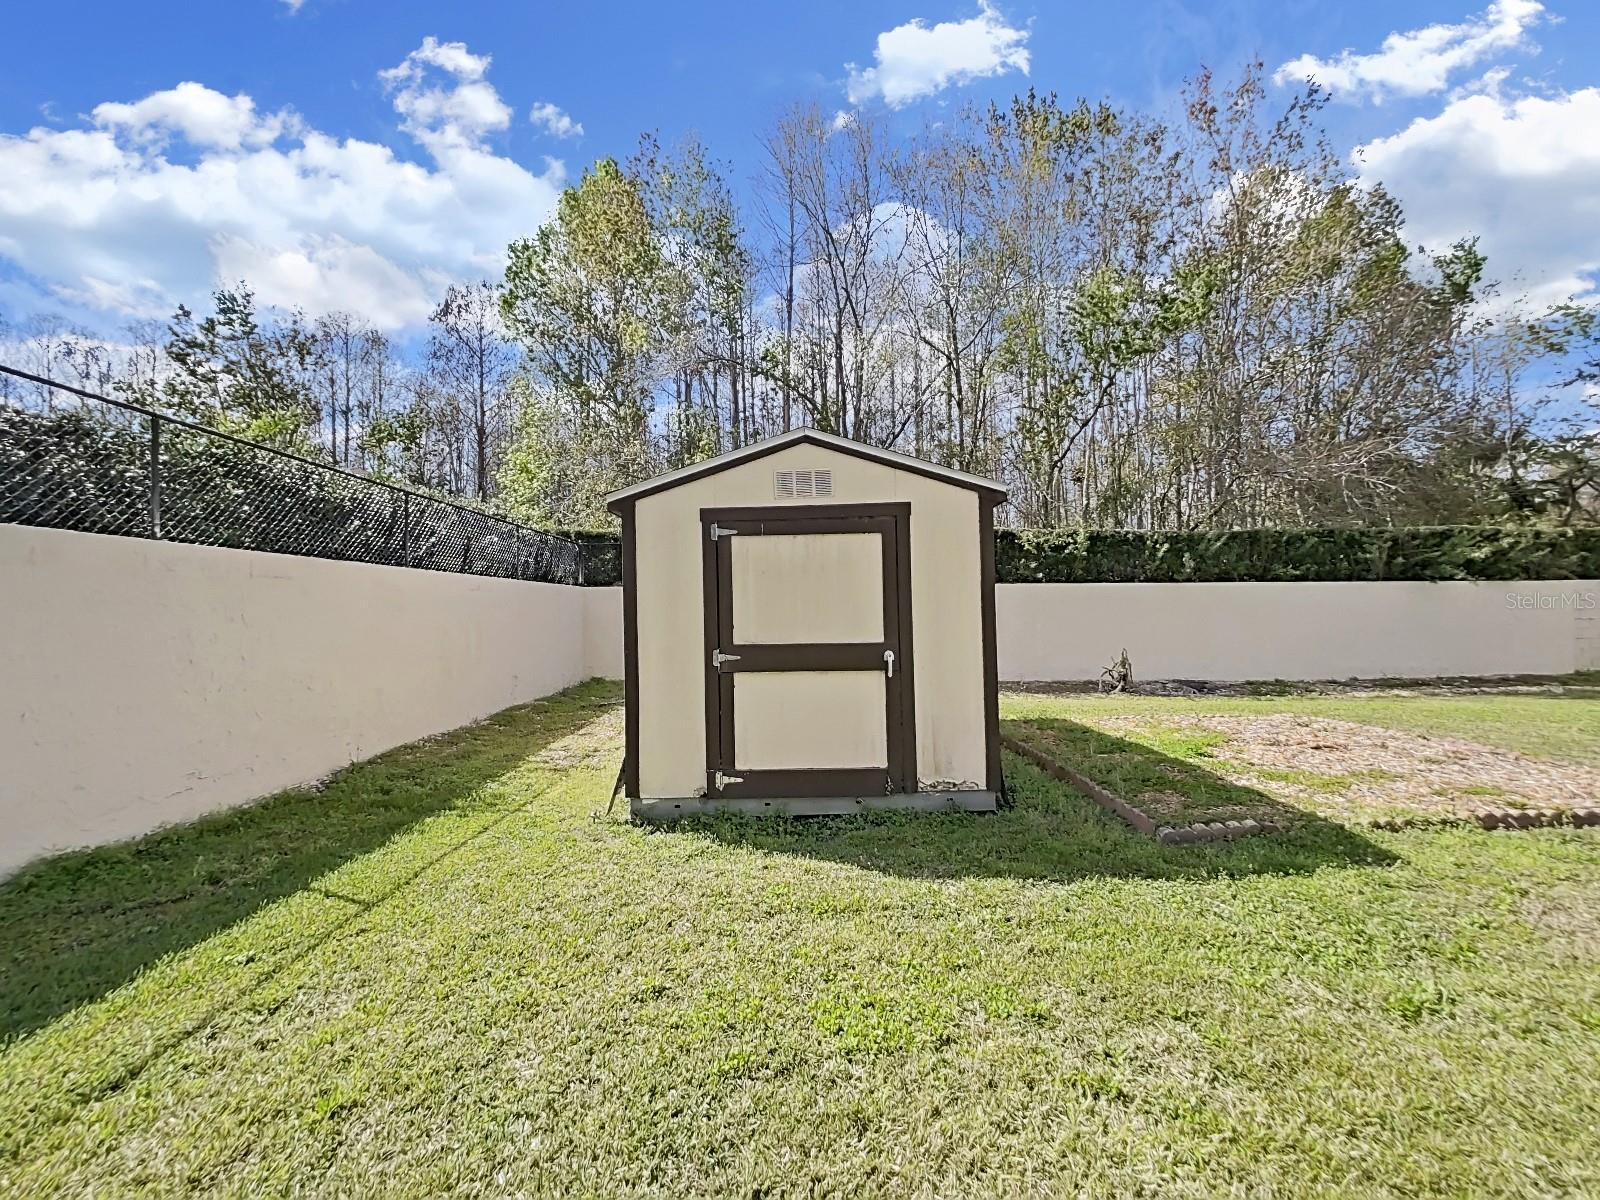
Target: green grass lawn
x,y
441,973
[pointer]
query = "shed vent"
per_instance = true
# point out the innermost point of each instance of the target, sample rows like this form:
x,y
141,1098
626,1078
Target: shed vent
x,y
786,485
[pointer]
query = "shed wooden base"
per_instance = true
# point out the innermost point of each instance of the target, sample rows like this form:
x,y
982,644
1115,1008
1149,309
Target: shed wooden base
x,y
812,806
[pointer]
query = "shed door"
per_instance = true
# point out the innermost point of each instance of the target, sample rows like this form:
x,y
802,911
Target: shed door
x,y
808,651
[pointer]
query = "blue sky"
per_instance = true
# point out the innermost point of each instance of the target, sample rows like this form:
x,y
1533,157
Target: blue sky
x,y
347,154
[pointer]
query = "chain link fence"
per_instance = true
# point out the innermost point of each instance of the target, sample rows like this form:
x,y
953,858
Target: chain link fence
x,y
74,459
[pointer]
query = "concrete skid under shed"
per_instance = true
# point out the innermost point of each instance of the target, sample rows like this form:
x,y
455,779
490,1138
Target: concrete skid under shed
x,y
813,806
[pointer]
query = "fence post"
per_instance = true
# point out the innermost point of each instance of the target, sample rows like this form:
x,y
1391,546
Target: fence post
x,y
405,529
155,476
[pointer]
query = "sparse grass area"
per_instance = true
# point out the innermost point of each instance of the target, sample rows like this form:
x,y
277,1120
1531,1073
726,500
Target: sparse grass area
x,y
1560,727
1313,781
441,974
1561,722
1484,789
1346,757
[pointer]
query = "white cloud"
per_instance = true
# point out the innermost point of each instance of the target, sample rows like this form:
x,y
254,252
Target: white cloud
x,y
451,57
135,298
321,273
294,6
1519,172
1523,174
449,114
1421,61
554,120
1490,83
110,216
915,60
198,115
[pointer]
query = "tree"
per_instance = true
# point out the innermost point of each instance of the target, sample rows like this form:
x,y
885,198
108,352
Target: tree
x,y
353,375
228,371
695,222
850,276
597,306
470,358
1192,316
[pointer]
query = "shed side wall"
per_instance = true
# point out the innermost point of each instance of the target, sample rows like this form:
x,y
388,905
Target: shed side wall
x,y
946,612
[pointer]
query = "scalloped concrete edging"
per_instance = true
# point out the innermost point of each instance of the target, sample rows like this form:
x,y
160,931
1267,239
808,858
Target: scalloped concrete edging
x,y
1167,835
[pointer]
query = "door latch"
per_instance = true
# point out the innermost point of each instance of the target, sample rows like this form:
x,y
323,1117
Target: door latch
x,y
724,780
721,531
888,663
718,658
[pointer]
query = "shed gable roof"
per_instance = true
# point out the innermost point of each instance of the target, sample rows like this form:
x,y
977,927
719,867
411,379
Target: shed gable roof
x,y
621,499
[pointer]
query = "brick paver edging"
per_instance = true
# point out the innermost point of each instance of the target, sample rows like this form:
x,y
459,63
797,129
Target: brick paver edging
x,y
1500,818
1201,831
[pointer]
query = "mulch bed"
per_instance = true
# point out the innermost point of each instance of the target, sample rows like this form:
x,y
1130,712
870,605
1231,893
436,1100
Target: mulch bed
x,y
1365,774
1373,759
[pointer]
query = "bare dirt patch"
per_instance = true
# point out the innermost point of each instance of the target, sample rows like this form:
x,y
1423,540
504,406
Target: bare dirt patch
x,y
594,745
1171,808
1583,683
1345,770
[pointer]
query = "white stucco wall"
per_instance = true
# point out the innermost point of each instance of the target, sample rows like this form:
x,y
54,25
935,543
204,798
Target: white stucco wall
x,y
602,632
1236,631
144,683
1292,630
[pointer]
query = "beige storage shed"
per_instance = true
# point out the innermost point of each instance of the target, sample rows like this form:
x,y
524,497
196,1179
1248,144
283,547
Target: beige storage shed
x,y
809,628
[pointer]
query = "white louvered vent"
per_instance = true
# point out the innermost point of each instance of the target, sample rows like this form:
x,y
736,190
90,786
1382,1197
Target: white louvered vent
x,y
788,485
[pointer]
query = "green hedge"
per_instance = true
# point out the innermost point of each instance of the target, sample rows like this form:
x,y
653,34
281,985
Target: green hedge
x,y
1323,555
1248,555
602,555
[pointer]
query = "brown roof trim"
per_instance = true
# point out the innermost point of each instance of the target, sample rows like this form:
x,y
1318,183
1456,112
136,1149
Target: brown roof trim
x,y
888,458
630,657
996,779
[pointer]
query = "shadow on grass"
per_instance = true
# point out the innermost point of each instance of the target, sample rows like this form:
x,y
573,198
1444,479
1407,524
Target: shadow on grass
x,y
1047,831
1166,774
78,925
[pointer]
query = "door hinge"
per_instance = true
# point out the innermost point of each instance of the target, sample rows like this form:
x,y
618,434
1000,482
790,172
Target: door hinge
x,y
721,531
723,781
718,658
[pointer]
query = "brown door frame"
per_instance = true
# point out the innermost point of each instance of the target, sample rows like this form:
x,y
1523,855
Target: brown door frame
x,y
892,521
